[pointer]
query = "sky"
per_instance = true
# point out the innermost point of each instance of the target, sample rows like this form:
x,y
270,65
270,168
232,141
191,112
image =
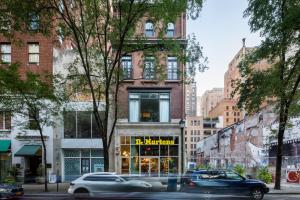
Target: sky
x,y
220,29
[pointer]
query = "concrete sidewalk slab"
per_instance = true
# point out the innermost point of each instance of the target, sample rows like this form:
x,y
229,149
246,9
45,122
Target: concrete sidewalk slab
x,y
286,188
52,188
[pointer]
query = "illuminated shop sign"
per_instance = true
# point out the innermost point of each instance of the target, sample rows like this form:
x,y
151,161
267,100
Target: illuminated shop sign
x,y
154,142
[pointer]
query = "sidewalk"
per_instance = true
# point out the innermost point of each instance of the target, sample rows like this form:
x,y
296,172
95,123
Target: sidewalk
x,y
52,188
286,188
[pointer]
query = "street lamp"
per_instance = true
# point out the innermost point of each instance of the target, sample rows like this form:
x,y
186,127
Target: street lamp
x,y
182,125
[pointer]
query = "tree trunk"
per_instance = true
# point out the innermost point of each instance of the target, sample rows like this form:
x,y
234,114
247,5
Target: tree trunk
x,y
44,155
45,167
282,125
106,158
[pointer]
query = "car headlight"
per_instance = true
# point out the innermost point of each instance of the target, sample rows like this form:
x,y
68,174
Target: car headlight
x,y
5,190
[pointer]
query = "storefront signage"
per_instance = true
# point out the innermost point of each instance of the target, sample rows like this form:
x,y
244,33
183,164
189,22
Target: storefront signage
x,y
154,142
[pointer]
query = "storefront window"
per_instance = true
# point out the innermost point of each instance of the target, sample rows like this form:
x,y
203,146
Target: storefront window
x,y
78,162
149,155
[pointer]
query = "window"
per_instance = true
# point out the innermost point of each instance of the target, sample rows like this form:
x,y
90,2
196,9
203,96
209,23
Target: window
x,y
33,117
80,124
34,22
227,113
78,162
233,176
102,178
5,52
172,68
127,67
5,120
149,107
170,29
149,68
33,53
149,29
227,107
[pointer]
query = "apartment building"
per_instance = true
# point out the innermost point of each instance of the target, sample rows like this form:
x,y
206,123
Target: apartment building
x,y
227,108
191,99
148,135
197,129
19,147
210,99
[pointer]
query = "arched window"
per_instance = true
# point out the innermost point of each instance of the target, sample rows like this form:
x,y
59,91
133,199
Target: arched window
x,y
149,29
170,29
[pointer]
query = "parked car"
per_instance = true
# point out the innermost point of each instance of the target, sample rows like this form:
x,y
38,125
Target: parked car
x,y
10,191
93,184
223,182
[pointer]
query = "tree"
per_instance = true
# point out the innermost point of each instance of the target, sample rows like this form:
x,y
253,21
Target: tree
x,y
277,21
30,94
101,32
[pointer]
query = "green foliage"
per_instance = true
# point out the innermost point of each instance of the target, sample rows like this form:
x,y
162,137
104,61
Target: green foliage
x,y
264,175
101,37
240,169
40,170
9,179
13,171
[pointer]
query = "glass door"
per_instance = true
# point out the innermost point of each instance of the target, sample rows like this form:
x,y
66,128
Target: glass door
x,y
85,165
154,167
144,166
149,166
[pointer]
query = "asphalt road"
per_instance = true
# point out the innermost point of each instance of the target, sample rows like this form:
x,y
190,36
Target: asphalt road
x,y
158,196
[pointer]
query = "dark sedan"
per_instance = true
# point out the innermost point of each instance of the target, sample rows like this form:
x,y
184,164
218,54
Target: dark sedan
x,y
223,182
10,191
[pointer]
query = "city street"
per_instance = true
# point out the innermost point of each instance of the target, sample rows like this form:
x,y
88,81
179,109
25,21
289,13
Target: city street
x,y
158,196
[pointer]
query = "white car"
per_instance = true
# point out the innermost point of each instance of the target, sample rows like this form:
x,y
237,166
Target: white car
x,y
96,184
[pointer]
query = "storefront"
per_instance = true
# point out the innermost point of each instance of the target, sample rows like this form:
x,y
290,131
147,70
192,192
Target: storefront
x,y
5,158
77,162
149,155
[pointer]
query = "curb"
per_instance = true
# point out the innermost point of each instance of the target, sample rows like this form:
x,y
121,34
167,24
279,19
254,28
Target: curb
x,y
283,193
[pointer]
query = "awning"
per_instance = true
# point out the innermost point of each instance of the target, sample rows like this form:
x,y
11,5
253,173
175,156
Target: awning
x,y
4,146
30,150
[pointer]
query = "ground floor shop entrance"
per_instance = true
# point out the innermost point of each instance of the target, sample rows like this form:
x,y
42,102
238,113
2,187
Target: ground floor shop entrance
x,y
77,162
149,166
149,156
32,155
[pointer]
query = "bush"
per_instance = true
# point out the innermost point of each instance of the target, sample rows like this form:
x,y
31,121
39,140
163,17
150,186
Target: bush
x,y
9,179
40,170
240,170
264,175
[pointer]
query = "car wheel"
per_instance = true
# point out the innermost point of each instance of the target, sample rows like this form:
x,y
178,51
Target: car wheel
x,y
257,194
81,193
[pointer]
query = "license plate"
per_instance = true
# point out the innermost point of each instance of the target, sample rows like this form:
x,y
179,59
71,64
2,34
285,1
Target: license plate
x,y
18,193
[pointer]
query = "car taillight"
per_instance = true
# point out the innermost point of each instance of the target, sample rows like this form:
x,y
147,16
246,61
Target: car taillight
x,y
192,184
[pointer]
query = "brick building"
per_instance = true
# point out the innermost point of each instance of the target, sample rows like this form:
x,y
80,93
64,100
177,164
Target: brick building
x,y
210,99
197,129
227,107
148,135
33,52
